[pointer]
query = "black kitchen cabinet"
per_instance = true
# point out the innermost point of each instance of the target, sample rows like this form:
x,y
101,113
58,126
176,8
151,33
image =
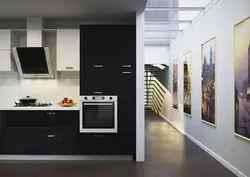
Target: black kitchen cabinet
x,y
104,51
108,144
127,104
100,81
25,133
39,132
108,67
40,141
42,119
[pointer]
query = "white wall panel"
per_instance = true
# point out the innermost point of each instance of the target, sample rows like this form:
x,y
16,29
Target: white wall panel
x,y
157,55
218,22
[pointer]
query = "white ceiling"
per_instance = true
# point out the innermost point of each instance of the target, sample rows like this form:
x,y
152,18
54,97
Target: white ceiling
x,y
69,8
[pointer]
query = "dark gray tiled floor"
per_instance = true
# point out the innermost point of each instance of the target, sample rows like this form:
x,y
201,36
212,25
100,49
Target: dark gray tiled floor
x,y
168,154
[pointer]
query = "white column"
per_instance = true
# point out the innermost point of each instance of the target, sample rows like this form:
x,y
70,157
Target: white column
x,y
140,115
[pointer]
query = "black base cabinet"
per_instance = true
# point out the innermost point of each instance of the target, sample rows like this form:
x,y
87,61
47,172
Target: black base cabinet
x,y
56,133
108,144
39,141
39,132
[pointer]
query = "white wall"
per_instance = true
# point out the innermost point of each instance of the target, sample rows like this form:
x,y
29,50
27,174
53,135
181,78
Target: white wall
x,y
45,90
219,22
157,55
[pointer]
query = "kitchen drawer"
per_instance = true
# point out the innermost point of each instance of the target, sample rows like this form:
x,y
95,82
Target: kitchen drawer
x,y
64,140
67,119
100,144
42,119
40,141
27,141
108,144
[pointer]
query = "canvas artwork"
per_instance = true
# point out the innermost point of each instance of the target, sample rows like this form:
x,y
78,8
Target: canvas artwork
x,y
175,84
208,82
242,79
187,90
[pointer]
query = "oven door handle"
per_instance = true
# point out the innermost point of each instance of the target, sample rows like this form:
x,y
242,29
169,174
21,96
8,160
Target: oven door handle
x,y
98,104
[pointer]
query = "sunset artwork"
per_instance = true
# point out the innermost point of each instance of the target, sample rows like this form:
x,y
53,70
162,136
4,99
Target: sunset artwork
x,y
242,79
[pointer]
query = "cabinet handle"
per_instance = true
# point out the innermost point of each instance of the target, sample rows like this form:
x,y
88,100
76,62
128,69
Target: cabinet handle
x,y
97,92
98,136
126,72
98,66
98,104
50,136
51,113
69,67
126,66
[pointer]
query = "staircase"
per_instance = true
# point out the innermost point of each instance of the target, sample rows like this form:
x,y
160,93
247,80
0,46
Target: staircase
x,y
153,91
148,79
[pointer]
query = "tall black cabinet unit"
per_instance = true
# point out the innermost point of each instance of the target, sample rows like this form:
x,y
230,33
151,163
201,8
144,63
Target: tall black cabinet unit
x,y
108,67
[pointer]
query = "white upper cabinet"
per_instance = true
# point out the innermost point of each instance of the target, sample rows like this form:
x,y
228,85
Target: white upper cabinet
x,y
5,61
5,49
5,40
68,50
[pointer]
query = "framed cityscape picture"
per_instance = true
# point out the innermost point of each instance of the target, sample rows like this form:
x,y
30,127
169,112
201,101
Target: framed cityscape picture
x,y
242,79
175,84
208,82
187,83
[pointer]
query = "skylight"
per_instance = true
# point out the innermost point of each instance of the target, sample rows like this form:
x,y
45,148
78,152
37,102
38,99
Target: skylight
x,y
166,19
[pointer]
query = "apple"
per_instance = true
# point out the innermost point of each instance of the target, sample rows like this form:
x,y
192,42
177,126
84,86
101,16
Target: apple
x,y
70,101
66,99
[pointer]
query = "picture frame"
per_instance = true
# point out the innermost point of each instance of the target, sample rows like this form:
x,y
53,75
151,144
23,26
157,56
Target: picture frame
x,y
208,82
241,81
175,104
187,83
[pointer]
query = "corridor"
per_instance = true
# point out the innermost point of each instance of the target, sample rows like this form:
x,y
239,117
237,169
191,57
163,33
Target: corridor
x,y
168,154
171,154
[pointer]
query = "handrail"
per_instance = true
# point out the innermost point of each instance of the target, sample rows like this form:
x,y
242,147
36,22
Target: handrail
x,y
160,86
156,101
155,106
158,92
157,97
155,92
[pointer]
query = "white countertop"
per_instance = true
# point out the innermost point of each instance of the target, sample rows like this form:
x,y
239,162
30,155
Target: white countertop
x,y
53,107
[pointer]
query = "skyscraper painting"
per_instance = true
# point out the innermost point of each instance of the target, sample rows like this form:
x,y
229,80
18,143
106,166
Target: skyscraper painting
x,y
187,90
208,82
242,79
175,84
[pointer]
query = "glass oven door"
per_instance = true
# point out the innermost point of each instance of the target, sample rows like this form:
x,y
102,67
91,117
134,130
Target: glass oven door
x,y
98,117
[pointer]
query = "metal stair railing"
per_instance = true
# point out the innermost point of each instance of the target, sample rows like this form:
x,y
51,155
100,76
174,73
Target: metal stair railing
x,y
154,92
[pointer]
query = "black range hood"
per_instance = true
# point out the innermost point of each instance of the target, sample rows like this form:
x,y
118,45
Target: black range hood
x,y
33,62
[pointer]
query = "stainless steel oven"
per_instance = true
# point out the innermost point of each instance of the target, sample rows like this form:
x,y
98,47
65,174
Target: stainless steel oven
x,y
98,114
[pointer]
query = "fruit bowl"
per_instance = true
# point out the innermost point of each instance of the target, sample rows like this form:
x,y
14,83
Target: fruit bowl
x,y
66,104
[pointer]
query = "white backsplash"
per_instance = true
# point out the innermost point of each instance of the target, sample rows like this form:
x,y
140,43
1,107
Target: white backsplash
x,y
45,90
